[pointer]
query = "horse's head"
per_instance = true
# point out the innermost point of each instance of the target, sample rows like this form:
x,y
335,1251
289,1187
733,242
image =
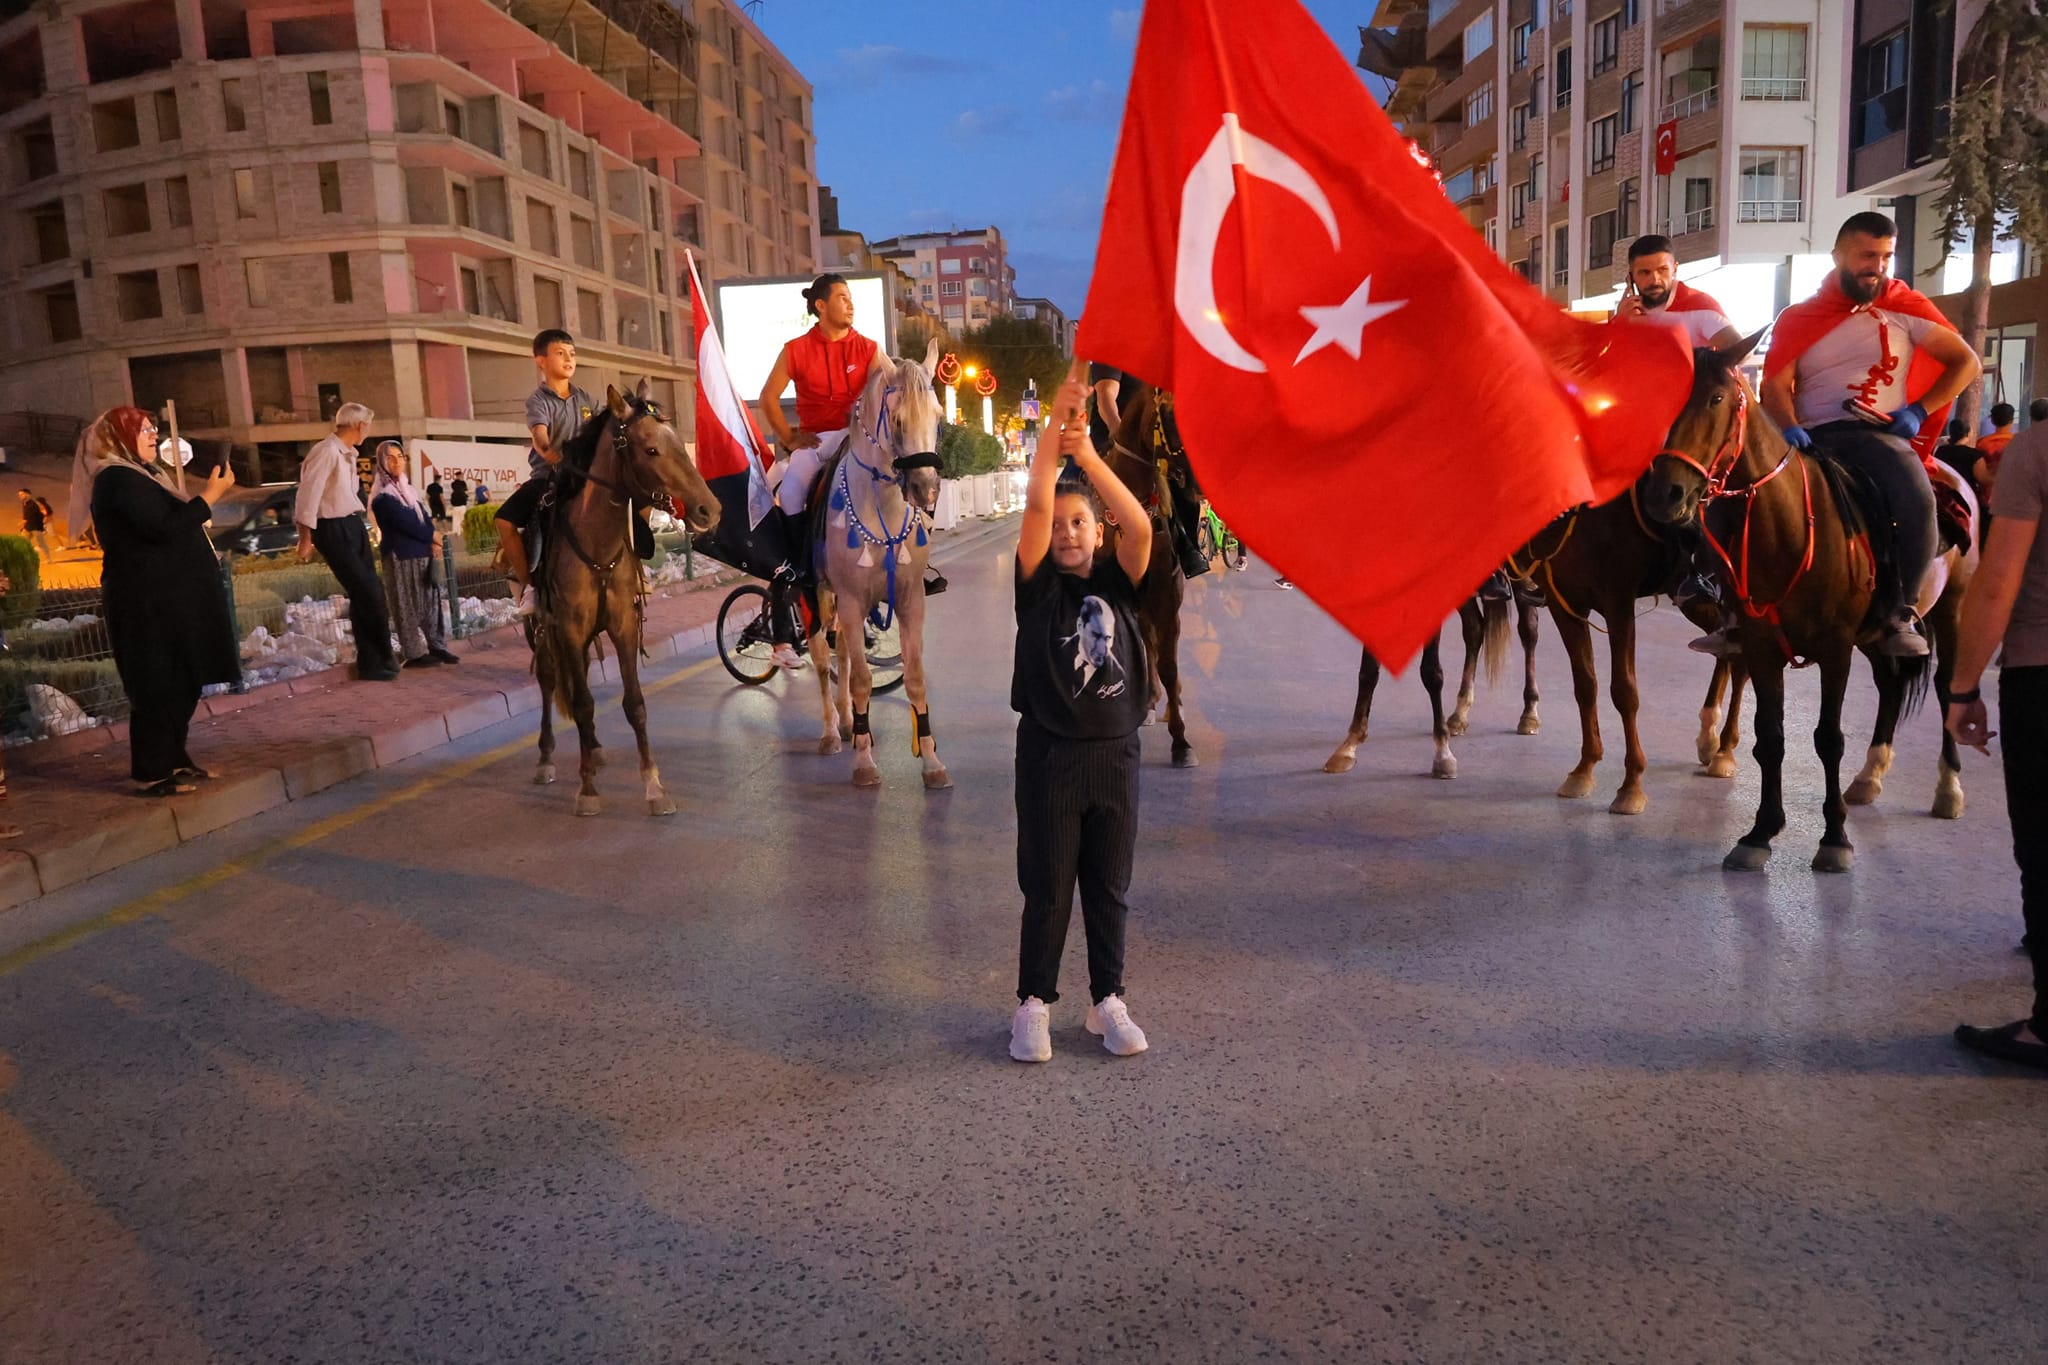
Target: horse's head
x,y
1709,439
904,426
657,467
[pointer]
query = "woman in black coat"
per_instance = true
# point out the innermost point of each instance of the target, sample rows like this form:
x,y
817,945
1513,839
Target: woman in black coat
x,y
166,611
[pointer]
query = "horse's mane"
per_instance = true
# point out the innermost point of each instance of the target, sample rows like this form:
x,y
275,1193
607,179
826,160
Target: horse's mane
x,y
916,398
578,452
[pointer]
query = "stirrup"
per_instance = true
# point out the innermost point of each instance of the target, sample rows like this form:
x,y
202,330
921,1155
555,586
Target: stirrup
x,y
1696,587
1717,644
1904,636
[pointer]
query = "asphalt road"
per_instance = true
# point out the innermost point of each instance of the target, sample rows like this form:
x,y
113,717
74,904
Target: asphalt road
x,y
424,1069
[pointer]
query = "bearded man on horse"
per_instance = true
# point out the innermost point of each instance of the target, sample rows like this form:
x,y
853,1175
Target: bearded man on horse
x,y
1864,372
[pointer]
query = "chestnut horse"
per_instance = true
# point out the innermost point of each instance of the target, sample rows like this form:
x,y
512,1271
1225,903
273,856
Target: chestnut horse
x,y
1798,570
1145,453
1484,622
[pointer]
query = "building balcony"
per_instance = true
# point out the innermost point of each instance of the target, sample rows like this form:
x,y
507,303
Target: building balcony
x,y
1769,211
1698,102
1774,87
1695,220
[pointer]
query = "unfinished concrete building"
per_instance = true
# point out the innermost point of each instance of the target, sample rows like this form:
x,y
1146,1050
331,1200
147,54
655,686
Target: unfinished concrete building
x,y
265,208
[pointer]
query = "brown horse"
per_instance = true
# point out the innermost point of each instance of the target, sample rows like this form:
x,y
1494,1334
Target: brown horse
x,y
1145,453
590,579
1797,569
1484,622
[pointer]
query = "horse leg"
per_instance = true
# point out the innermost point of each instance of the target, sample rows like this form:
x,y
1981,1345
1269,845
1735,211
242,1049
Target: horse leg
x,y
1722,764
1472,625
1709,742
1444,765
858,685
1754,849
1527,625
1835,852
1621,651
1891,696
910,628
1578,647
625,637
544,773
1345,757
830,740
583,707
1168,659
1948,787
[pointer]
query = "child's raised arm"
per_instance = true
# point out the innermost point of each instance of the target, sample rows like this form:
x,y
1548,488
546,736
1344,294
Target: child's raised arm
x,y
1065,432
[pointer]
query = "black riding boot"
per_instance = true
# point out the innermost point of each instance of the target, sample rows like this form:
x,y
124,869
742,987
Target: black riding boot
x,y
785,616
1186,516
1697,582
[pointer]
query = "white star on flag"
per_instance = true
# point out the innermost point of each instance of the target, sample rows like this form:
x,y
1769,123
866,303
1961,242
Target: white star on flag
x,y
1344,325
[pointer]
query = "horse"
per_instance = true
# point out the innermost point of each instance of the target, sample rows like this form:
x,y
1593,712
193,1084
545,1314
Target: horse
x,y
1484,622
590,580
871,540
1949,583
1604,558
1146,454
1789,546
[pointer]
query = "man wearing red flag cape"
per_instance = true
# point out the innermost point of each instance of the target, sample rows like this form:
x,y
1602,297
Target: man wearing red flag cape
x,y
1321,288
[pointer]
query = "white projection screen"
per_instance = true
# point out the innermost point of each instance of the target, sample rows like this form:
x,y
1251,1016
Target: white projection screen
x,y
755,318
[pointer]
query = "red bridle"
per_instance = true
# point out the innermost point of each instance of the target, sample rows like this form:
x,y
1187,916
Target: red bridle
x,y
1717,469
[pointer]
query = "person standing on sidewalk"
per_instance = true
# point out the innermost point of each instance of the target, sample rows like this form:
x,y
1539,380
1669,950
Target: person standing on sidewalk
x,y
411,549
1079,686
437,508
2008,605
330,519
35,523
166,611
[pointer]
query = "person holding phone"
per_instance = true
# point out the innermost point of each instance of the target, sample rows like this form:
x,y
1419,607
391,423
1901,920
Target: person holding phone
x,y
1654,293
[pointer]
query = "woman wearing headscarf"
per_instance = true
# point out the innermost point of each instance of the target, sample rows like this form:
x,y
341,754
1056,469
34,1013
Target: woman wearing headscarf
x,y
411,548
167,613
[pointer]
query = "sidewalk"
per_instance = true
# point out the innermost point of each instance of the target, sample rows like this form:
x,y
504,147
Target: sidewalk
x,y
288,740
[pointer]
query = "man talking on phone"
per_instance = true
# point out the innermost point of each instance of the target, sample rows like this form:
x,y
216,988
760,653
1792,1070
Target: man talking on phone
x,y
1654,293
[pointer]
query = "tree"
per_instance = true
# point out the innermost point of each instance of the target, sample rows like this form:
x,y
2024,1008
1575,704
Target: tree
x,y
1997,173
913,334
1017,349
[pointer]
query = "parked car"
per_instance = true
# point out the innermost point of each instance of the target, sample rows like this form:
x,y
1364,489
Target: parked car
x,y
255,520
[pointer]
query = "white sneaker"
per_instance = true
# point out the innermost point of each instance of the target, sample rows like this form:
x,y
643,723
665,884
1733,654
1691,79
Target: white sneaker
x,y
1111,1022
787,657
1031,1032
529,602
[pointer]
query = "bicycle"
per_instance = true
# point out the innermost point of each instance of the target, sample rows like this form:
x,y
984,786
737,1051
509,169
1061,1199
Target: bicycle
x,y
746,645
1213,538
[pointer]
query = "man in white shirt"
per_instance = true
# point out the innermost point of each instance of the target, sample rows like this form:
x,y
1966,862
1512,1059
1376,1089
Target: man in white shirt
x,y
1654,293
330,519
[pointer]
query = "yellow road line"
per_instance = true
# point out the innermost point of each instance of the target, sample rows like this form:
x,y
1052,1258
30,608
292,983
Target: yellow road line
x,y
164,897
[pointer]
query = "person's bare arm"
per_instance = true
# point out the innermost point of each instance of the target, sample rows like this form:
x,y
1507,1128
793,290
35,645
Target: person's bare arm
x,y
1775,398
1134,525
788,437
1066,433
1987,610
1106,392
1960,367
544,443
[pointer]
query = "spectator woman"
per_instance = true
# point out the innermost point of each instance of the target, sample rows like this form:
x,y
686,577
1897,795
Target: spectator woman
x,y
167,613
412,547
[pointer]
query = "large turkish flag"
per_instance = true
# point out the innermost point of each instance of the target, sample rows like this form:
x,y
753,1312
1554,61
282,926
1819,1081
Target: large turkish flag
x,y
1373,400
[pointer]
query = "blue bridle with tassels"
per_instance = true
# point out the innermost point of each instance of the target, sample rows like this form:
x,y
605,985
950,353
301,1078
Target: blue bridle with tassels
x,y
857,531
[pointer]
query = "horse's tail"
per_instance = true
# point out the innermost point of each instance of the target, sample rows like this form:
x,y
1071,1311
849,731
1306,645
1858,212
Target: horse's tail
x,y
1916,676
551,666
1499,632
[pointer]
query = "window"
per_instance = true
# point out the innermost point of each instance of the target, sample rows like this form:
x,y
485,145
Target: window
x,y
245,193
1518,127
1518,46
540,227
1562,65
127,210
191,296
235,118
1518,203
977,289
451,118
533,151
1698,212
60,313
1440,10
330,186
1600,135
168,129
590,311
178,201
253,277
458,194
583,242
924,291
53,238
1600,234
1692,78
579,172
1774,61
1522,268
1630,207
924,270
977,265
1535,177
1605,40
114,126
1479,106
322,105
950,289
1536,261
339,278
1560,254
547,302
38,150
472,296
1631,13
1631,92
1479,35
1770,189
950,266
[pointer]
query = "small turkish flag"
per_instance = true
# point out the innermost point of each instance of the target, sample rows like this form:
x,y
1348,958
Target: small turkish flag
x,y
1667,147
1371,397
731,452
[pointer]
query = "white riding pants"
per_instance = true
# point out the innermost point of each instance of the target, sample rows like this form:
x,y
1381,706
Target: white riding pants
x,y
802,467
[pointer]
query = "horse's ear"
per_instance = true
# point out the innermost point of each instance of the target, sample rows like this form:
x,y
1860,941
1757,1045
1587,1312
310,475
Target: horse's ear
x,y
616,401
931,355
1737,351
645,390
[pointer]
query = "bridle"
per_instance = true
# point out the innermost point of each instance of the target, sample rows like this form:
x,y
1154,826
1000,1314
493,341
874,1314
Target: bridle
x,y
882,437
1716,471
617,494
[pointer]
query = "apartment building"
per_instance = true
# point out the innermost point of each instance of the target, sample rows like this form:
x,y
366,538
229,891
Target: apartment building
x,y
1050,314
1901,56
265,210
841,249
1544,118
966,277
757,175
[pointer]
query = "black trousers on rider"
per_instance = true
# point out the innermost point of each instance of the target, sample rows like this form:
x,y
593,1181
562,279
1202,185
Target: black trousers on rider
x,y
1908,540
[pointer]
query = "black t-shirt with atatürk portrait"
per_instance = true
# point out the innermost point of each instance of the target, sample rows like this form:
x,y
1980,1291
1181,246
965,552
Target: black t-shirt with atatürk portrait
x,y
1080,667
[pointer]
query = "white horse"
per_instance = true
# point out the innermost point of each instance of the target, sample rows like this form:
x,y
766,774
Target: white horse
x,y
876,541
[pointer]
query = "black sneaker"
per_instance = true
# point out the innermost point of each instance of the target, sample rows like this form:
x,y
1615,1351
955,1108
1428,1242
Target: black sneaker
x,y
934,583
1193,562
445,657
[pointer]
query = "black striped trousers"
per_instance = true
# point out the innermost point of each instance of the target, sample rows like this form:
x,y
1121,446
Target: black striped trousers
x,y
1077,822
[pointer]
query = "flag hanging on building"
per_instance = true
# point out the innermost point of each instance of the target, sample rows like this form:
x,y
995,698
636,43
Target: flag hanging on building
x,y
729,446
1375,401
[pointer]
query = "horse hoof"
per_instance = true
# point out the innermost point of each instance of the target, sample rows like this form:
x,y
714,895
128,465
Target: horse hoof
x,y
1863,792
588,805
1947,806
867,777
1528,725
1629,803
1186,758
1456,725
1445,768
1746,858
544,775
936,780
830,745
661,805
1576,786
1833,858
1722,766
1339,763
1709,746
845,733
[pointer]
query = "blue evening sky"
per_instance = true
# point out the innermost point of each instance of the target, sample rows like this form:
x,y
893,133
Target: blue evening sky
x,y
933,116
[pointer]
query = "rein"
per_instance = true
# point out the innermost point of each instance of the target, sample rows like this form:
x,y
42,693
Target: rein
x,y
857,531
1543,562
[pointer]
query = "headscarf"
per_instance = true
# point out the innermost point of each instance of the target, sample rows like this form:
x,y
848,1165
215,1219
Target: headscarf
x,y
397,485
110,443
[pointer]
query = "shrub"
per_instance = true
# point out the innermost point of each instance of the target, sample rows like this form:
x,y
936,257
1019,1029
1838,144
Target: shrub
x,y
965,451
480,529
255,607
288,584
25,572
77,642
94,684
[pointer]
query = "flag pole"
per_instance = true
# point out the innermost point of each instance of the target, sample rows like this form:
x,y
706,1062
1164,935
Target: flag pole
x,y
171,419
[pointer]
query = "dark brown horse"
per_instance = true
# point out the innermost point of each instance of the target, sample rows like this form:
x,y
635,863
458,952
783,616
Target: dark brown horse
x,y
1145,453
1484,622
590,579
1800,575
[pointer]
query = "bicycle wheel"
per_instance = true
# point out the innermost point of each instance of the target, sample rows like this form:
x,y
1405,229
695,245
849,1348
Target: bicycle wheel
x,y
743,644
1205,540
1233,553
885,657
